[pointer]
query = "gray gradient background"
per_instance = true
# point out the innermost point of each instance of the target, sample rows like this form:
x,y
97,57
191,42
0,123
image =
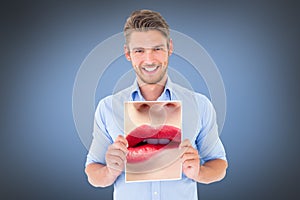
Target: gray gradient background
x,y
255,46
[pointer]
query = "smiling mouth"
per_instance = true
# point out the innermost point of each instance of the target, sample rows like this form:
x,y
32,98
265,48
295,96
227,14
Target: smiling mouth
x,y
150,69
146,141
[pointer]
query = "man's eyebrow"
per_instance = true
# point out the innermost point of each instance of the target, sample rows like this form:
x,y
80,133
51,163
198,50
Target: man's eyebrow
x,y
137,48
160,45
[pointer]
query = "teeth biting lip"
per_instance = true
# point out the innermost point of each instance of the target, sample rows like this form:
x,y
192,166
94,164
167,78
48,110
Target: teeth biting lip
x,y
145,141
157,141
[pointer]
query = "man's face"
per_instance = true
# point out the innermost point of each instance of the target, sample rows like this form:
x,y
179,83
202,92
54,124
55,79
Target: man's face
x,y
148,53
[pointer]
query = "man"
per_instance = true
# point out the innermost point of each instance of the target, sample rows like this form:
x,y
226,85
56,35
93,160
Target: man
x,y
148,47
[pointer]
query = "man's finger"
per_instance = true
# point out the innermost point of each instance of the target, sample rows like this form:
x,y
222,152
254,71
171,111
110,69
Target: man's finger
x,y
119,146
191,150
121,139
189,157
117,152
189,163
185,143
114,161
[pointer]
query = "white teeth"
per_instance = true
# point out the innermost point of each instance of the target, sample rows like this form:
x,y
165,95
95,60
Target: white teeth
x,y
163,141
152,141
150,69
157,141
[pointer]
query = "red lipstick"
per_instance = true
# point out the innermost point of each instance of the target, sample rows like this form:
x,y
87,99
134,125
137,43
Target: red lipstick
x,y
145,141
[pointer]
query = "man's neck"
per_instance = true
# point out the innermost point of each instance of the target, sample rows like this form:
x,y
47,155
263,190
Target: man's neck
x,y
151,92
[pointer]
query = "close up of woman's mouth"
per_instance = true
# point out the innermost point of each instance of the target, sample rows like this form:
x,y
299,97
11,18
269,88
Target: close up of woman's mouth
x,y
146,141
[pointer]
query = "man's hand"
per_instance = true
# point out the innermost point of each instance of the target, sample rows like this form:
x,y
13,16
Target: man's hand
x,y
190,160
116,156
209,172
104,175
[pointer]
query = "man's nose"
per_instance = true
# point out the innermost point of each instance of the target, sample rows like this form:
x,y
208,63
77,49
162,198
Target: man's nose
x,y
149,56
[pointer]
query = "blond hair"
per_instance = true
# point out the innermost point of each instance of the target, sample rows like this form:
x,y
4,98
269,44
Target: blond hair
x,y
145,20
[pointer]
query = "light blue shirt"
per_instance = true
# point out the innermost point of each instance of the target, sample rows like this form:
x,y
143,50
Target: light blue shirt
x,y
198,125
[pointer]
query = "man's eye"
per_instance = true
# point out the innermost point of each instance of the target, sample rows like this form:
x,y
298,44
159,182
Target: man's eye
x,y
158,49
138,51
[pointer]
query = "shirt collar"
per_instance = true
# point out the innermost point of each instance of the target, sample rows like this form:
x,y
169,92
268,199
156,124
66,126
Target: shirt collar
x,y
166,94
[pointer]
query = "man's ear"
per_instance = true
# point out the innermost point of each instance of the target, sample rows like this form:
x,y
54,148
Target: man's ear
x,y
170,51
127,52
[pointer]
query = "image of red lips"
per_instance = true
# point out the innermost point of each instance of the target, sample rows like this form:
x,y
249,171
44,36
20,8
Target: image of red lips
x,y
145,141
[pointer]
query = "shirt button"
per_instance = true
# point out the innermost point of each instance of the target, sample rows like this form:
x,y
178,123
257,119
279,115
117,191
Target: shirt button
x,y
155,193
